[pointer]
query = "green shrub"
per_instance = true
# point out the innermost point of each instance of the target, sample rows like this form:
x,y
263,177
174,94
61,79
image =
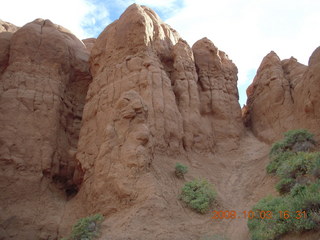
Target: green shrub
x,y
297,136
269,229
277,148
198,195
299,164
316,166
278,160
294,168
180,170
87,228
285,185
298,170
306,198
295,140
297,221
297,190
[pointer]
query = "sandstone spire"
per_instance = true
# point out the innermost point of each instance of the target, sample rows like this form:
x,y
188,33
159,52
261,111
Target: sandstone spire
x,y
283,96
152,100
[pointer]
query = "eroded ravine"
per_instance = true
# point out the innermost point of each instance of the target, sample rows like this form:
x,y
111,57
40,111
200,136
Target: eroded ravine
x,y
244,182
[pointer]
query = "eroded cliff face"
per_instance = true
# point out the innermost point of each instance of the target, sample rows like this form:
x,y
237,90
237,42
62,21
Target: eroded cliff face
x,y
218,91
43,84
307,95
151,96
84,135
152,101
283,96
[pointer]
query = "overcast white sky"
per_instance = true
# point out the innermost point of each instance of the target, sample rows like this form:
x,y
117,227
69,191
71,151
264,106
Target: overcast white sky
x,y
246,30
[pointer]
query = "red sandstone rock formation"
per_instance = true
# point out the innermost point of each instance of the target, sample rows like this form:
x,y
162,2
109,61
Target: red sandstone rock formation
x,y
7,27
218,90
283,96
6,32
307,96
146,99
43,84
70,147
89,42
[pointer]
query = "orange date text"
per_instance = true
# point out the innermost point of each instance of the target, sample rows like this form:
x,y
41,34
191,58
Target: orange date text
x,y
258,214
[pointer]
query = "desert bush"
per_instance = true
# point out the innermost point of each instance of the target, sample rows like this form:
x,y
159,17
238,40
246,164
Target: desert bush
x,y
299,164
297,169
285,185
316,166
298,136
278,160
294,140
305,198
198,194
87,228
180,170
269,229
277,148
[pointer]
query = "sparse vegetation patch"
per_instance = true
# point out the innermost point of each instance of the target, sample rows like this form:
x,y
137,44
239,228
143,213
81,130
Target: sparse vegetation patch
x,y
199,195
180,170
87,228
298,207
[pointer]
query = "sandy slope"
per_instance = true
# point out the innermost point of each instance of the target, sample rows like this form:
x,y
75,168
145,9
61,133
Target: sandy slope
x,y
245,182
240,179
